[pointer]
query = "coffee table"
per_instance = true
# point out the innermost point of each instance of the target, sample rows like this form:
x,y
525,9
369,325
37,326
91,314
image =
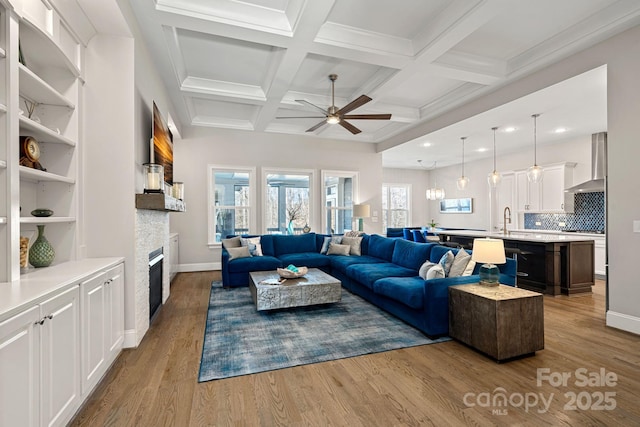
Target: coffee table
x,y
315,287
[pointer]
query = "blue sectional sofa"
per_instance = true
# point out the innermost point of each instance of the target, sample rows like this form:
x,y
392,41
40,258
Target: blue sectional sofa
x,y
385,274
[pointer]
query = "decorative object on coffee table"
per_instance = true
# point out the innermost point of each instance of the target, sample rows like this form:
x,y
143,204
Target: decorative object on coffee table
x,y
41,253
292,272
503,322
489,252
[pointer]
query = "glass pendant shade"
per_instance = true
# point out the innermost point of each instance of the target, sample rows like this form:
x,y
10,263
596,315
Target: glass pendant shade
x,y
435,193
462,182
494,179
534,173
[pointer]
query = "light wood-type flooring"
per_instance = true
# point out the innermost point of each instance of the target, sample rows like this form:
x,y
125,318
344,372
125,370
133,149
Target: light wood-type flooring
x,y
589,375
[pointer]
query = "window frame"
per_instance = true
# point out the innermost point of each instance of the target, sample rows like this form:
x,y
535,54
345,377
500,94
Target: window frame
x,y
388,210
354,175
311,173
253,202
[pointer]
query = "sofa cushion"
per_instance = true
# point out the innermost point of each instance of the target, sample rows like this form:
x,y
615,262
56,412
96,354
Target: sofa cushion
x,y
341,263
262,263
438,250
294,244
407,290
381,247
305,259
266,241
367,274
411,254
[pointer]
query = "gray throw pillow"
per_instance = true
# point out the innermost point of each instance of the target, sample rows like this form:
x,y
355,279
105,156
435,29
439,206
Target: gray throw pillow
x,y
233,242
241,252
460,262
335,249
354,244
446,261
325,245
424,268
435,272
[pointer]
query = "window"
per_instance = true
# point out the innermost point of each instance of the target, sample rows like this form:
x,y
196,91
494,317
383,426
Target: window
x,y
287,201
396,199
231,195
338,195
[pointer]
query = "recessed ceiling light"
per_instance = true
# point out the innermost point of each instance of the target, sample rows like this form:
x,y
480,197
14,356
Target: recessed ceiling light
x,y
426,144
560,130
510,129
481,150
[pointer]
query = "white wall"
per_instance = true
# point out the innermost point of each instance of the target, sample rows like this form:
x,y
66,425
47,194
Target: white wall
x,y
419,180
203,146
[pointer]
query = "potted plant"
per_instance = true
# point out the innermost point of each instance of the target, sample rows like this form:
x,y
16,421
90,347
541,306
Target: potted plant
x,y
432,225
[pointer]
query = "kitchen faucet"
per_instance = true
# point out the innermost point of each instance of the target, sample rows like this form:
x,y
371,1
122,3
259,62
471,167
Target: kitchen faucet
x,y
505,218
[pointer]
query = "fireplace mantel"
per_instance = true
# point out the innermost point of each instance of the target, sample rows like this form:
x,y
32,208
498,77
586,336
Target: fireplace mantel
x,y
159,202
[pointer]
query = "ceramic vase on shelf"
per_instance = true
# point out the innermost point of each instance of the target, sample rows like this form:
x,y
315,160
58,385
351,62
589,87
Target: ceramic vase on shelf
x,y
41,253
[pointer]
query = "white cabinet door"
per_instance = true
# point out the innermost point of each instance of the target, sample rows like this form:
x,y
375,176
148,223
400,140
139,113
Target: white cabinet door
x,y
527,193
60,353
553,197
94,317
20,369
174,255
115,311
600,255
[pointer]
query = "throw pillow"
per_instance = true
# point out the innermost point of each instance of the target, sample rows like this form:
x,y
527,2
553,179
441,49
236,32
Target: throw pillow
x,y
325,245
353,233
336,249
233,242
253,243
468,271
446,261
460,262
424,268
241,252
337,239
354,244
435,272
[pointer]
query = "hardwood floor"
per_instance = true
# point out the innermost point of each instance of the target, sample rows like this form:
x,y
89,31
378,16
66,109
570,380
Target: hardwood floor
x,y
441,384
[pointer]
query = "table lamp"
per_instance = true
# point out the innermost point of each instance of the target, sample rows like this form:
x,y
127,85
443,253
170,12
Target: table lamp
x,y
361,211
489,252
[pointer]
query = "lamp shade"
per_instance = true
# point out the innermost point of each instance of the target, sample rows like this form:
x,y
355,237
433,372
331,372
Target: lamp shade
x,y
489,251
361,211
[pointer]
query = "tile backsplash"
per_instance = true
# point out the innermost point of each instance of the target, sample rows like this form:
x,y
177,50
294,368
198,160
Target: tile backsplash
x,y
588,215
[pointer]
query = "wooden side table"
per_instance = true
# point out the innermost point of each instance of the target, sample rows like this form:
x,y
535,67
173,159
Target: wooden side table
x,y
501,321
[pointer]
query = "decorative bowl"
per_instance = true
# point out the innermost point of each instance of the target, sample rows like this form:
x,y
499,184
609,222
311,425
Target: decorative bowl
x,y
42,212
288,274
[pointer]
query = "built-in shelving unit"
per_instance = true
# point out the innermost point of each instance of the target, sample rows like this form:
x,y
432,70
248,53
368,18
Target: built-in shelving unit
x,y
36,176
46,220
37,90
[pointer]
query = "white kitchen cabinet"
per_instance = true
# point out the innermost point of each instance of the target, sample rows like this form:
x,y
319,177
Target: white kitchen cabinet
x,y
600,249
553,198
103,323
39,363
527,193
173,254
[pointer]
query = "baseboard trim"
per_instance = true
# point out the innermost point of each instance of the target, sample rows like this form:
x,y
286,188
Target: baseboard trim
x,y
204,266
130,339
624,322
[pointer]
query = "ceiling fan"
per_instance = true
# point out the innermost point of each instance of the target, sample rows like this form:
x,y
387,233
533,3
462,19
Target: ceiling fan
x,y
333,115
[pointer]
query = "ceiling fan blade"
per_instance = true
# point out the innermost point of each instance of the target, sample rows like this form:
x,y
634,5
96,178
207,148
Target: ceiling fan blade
x,y
299,117
322,123
358,102
351,128
367,116
302,101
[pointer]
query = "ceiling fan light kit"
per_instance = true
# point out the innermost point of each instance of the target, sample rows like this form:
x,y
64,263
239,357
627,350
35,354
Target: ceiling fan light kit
x,y
334,115
535,172
494,177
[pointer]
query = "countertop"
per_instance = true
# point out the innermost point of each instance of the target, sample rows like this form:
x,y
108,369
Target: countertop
x,y
525,236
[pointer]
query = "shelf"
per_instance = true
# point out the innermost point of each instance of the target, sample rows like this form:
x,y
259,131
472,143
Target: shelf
x,y
159,202
35,175
42,133
33,39
35,89
46,220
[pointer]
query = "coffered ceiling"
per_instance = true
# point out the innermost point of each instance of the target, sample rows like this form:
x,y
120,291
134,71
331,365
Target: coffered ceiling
x,y
241,64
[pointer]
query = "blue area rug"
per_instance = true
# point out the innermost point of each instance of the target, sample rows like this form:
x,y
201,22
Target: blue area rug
x,y
240,340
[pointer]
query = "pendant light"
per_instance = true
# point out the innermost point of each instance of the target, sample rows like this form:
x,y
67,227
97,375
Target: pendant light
x,y
435,192
463,181
494,177
534,173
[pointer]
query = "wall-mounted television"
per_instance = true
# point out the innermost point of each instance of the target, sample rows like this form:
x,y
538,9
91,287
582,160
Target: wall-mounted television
x,y
162,145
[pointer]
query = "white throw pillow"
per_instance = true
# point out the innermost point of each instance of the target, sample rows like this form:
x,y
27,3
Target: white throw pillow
x,y
241,252
335,249
435,272
460,262
424,268
253,243
468,271
354,244
233,242
446,261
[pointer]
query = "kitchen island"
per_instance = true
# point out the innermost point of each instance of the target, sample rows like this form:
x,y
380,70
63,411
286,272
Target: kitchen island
x,y
549,263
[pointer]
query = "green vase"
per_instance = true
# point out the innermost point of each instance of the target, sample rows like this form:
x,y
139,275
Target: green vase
x,y
41,253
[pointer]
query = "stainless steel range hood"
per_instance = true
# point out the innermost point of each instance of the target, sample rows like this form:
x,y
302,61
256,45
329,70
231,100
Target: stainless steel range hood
x,y
598,166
